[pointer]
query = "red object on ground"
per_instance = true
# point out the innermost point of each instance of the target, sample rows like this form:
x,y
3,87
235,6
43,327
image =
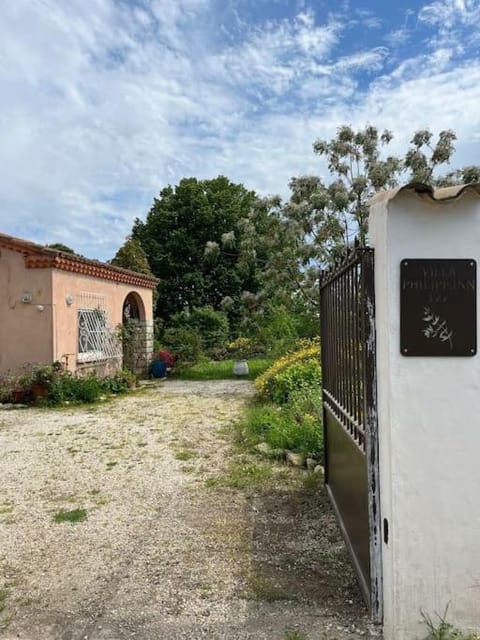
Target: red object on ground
x,y
167,357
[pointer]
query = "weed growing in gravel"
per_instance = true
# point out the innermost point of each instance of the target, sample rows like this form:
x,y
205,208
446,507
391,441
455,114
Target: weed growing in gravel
x,y
77,515
3,599
261,590
312,482
295,635
243,475
206,591
101,502
6,508
6,513
186,469
185,454
443,630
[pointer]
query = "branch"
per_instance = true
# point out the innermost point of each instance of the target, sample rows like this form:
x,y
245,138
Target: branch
x,y
301,288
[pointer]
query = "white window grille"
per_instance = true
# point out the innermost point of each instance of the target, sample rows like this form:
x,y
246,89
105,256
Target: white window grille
x,y
96,339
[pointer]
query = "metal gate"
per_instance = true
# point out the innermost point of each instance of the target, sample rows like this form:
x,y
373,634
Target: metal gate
x,y
347,313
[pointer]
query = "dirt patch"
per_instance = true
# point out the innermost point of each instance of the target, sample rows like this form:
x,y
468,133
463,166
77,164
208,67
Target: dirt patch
x,y
166,549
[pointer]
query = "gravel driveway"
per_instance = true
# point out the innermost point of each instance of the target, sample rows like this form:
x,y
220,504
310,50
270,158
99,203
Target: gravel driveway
x,y
173,545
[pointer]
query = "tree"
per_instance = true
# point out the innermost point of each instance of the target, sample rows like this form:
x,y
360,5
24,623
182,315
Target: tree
x,y
132,256
321,218
466,175
192,237
58,246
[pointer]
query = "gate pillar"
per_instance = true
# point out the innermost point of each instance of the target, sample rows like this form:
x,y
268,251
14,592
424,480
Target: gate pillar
x,y
427,246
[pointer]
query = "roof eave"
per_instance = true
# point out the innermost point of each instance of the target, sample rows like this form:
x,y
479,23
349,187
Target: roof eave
x,y
442,195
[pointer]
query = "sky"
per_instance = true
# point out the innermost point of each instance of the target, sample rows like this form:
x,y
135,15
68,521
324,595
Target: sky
x,y
105,102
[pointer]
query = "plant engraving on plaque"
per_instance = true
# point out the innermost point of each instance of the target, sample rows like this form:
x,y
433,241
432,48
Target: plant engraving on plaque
x,y
436,327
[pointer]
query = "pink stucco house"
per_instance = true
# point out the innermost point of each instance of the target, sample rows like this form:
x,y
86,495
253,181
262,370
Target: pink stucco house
x,y
57,306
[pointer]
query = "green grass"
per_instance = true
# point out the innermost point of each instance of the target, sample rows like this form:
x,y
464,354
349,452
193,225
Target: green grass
x,y
244,475
282,427
77,515
222,370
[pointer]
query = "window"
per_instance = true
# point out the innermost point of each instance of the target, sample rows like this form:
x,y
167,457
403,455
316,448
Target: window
x,y
92,329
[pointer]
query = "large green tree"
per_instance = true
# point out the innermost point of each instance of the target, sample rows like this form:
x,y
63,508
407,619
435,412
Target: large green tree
x,y
195,239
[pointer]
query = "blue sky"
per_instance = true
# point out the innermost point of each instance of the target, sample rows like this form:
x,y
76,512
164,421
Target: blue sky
x,y
105,102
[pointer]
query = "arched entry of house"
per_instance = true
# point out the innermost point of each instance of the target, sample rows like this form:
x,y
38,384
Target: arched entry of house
x,y
134,333
133,308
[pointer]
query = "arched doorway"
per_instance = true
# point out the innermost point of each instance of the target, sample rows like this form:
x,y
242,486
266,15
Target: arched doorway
x,y
134,334
133,308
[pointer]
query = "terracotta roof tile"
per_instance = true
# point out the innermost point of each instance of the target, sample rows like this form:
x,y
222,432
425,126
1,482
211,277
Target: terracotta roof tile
x,y
40,257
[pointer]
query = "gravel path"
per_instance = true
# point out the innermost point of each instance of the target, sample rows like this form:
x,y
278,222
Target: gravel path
x,y
168,550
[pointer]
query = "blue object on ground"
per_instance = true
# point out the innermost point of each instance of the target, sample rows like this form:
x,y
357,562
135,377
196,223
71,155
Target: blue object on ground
x,y
159,369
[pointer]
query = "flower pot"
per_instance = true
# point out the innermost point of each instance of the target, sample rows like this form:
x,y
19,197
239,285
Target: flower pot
x,y
240,368
39,390
18,396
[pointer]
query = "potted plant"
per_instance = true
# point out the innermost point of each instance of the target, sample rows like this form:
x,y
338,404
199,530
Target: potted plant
x,y
40,379
20,388
240,349
10,389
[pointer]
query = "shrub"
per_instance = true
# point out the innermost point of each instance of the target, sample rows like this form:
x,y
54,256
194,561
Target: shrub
x,y
184,343
267,382
278,332
285,427
303,374
303,435
63,386
243,348
291,414
120,382
211,326
69,388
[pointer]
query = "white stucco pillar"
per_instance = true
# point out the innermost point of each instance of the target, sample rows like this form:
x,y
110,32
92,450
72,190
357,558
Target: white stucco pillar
x,y
429,425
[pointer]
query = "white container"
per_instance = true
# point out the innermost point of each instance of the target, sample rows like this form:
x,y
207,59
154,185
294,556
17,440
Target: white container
x,y
240,368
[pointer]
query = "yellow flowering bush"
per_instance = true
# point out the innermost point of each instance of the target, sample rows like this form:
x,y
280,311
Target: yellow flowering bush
x,y
243,348
308,354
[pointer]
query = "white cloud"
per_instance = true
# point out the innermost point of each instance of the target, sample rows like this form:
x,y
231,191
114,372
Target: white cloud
x,y
449,13
372,60
103,103
455,22
398,37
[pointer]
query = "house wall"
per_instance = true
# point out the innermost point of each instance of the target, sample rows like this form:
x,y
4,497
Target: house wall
x,y
26,330
87,292
429,430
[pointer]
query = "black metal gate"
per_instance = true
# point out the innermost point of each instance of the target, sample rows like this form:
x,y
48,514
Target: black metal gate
x,y
347,312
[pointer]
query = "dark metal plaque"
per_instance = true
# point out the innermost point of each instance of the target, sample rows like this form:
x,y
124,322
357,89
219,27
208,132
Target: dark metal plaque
x,y
438,307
